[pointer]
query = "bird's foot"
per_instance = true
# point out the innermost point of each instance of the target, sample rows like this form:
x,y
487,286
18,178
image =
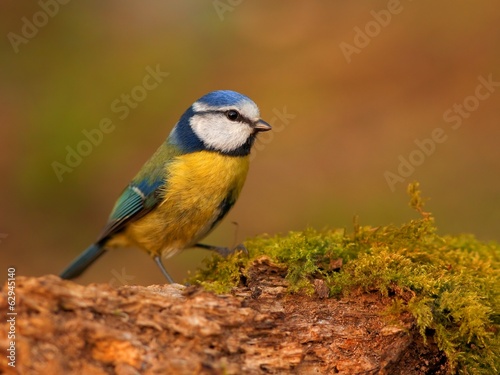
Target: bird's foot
x,y
163,270
224,251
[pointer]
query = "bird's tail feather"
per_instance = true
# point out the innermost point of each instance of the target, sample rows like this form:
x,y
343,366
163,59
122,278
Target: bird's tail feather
x,y
81,262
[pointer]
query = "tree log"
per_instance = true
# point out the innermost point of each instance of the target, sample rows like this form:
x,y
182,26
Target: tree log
x,y
65,328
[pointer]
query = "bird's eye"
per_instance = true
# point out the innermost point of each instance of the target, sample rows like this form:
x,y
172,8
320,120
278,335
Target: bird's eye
x,y
232,115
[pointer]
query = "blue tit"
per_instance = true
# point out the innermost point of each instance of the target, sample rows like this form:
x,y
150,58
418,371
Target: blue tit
x,y
187,187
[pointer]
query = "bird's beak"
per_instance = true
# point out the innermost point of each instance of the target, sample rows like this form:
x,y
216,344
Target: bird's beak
x,y
261,126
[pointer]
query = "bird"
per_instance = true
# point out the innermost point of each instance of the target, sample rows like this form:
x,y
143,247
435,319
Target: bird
x,y
187,186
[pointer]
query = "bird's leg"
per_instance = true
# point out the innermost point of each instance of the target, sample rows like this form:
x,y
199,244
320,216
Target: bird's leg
x,y
224,251
157,259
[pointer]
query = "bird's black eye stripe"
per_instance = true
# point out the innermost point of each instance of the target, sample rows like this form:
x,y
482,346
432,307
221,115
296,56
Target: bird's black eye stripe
x,y
233,115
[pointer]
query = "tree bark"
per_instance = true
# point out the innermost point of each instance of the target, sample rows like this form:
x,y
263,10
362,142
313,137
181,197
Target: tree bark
x,y
65,328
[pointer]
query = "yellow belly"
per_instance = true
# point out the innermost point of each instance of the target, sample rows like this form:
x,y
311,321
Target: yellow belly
x,y
197,185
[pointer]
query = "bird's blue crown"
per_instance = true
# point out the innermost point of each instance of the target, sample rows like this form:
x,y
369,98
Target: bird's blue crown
x,y
222,98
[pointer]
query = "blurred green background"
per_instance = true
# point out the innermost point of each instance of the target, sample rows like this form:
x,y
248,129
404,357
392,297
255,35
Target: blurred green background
x,y
348,123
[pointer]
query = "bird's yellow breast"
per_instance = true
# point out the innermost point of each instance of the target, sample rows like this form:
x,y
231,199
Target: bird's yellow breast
x,y
197,185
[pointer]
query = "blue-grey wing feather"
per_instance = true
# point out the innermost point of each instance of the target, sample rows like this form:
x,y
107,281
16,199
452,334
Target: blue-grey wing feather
x,y
143,194
134,202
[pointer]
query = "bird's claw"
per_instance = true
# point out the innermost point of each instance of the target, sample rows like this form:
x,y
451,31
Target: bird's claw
x,y
225,251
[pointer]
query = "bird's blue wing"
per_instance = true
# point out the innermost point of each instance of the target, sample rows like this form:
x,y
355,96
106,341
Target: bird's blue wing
x,y
143,194
135,201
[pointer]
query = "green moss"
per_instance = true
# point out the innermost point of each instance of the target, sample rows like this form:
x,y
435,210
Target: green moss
x,y
451,284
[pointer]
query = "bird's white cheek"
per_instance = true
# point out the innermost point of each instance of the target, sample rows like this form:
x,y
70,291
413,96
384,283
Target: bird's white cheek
x,y
220,135
237,135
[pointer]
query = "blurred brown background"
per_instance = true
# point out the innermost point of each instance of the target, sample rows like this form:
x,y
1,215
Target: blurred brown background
x,y
361,83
